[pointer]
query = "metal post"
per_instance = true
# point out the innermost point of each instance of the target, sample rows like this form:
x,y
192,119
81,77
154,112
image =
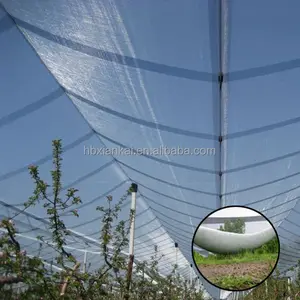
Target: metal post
x,y
176,253
84,262
176,256
134,188
191,278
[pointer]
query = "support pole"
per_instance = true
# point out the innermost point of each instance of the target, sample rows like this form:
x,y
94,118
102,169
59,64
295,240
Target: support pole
x,y
176,256
133,189
84,262
191,277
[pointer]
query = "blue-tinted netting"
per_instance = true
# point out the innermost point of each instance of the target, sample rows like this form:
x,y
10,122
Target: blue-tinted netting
x,y
216,75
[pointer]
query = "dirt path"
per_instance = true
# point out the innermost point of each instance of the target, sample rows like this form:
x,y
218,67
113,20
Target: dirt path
x,y
256,270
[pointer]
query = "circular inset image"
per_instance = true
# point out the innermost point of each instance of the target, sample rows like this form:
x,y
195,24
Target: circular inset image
x,y
235,248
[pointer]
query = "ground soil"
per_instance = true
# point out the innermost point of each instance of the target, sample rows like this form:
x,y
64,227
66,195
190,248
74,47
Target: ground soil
x,y
258,271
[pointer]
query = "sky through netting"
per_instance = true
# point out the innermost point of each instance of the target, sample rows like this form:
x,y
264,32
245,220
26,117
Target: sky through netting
x,y
219,76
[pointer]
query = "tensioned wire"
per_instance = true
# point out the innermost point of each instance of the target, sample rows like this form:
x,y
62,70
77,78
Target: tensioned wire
x,y
181,228
54,95
173,227
270,127
75,106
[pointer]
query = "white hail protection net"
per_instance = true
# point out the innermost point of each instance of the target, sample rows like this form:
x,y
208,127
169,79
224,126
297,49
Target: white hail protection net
x,y
144,75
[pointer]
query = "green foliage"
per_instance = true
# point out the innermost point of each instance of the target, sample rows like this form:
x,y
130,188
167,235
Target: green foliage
x,y
234,282
271,247
266,252
275,288
235,225
241,257
108,282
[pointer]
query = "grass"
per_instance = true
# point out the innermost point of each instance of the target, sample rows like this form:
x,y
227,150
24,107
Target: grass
x,y
243,257
235,282
239,276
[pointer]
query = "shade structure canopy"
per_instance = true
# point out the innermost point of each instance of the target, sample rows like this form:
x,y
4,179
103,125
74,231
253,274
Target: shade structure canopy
x,y
219,76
